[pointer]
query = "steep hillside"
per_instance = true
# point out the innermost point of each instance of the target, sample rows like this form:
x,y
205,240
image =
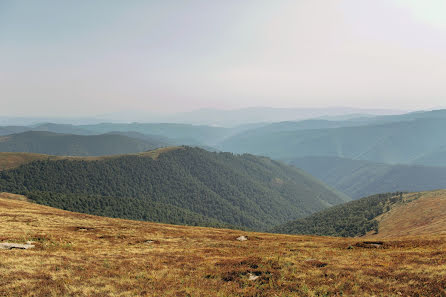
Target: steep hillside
x,y
419,213
397,142
82,255
358,178
355,218
244,191
74,145
383,215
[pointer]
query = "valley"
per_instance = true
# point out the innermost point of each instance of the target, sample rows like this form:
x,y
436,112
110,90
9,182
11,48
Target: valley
x,y
360,178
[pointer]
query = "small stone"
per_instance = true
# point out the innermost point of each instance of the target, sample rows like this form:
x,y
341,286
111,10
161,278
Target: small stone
x,y
252,277
10,246
242,238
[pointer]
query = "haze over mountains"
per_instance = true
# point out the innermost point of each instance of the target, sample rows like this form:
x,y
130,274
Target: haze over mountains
x,y
356,154
389,139
211,117
359,178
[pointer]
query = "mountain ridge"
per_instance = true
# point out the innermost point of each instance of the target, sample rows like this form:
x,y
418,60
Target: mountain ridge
x,y
239,190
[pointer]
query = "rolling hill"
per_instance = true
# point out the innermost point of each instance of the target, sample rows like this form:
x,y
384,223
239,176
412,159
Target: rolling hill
x,y
398,139
184,134
243,191
82,255
76,145
357,178
6,130
382,215
174,134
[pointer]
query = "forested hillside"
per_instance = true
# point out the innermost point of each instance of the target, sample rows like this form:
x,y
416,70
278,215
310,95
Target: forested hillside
x,y
358,178
245,191
354,218
123,207
76,145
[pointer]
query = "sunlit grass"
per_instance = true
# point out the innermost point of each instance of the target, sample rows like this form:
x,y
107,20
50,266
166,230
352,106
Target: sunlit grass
x,y
83,255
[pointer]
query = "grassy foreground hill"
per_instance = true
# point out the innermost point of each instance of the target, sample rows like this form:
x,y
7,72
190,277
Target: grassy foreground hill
x,y
358,178
391,214
239,190
82,255
50,143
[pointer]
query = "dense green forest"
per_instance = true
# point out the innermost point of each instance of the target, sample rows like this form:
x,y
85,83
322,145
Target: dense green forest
x,y
354,218
123,207
243,191
358,178
76,145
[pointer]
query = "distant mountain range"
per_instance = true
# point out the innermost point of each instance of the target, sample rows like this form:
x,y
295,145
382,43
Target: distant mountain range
x,y
236,117
358,178
415,138
209,117
407,139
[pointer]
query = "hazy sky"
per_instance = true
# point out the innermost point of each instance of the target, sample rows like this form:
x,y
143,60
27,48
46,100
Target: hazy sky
x,y
92,57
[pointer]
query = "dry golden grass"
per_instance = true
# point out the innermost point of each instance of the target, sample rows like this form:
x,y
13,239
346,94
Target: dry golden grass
x,y
14,160
83,255
419,214
13,196
154,154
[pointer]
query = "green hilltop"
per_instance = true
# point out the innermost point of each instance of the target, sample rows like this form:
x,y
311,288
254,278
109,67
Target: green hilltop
x,y
209,188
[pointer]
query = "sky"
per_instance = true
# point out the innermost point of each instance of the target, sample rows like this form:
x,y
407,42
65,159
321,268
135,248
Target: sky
x,y
84,58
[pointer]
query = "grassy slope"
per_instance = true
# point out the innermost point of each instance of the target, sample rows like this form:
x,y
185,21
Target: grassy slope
x,y
419,213
83,255
358,178
414,214
355,218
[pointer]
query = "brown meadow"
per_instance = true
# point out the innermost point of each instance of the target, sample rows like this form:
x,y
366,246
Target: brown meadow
x,y
84,255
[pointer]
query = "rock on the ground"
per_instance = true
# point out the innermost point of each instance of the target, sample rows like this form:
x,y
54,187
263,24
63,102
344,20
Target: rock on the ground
x,y
252,277
242,238
10,246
